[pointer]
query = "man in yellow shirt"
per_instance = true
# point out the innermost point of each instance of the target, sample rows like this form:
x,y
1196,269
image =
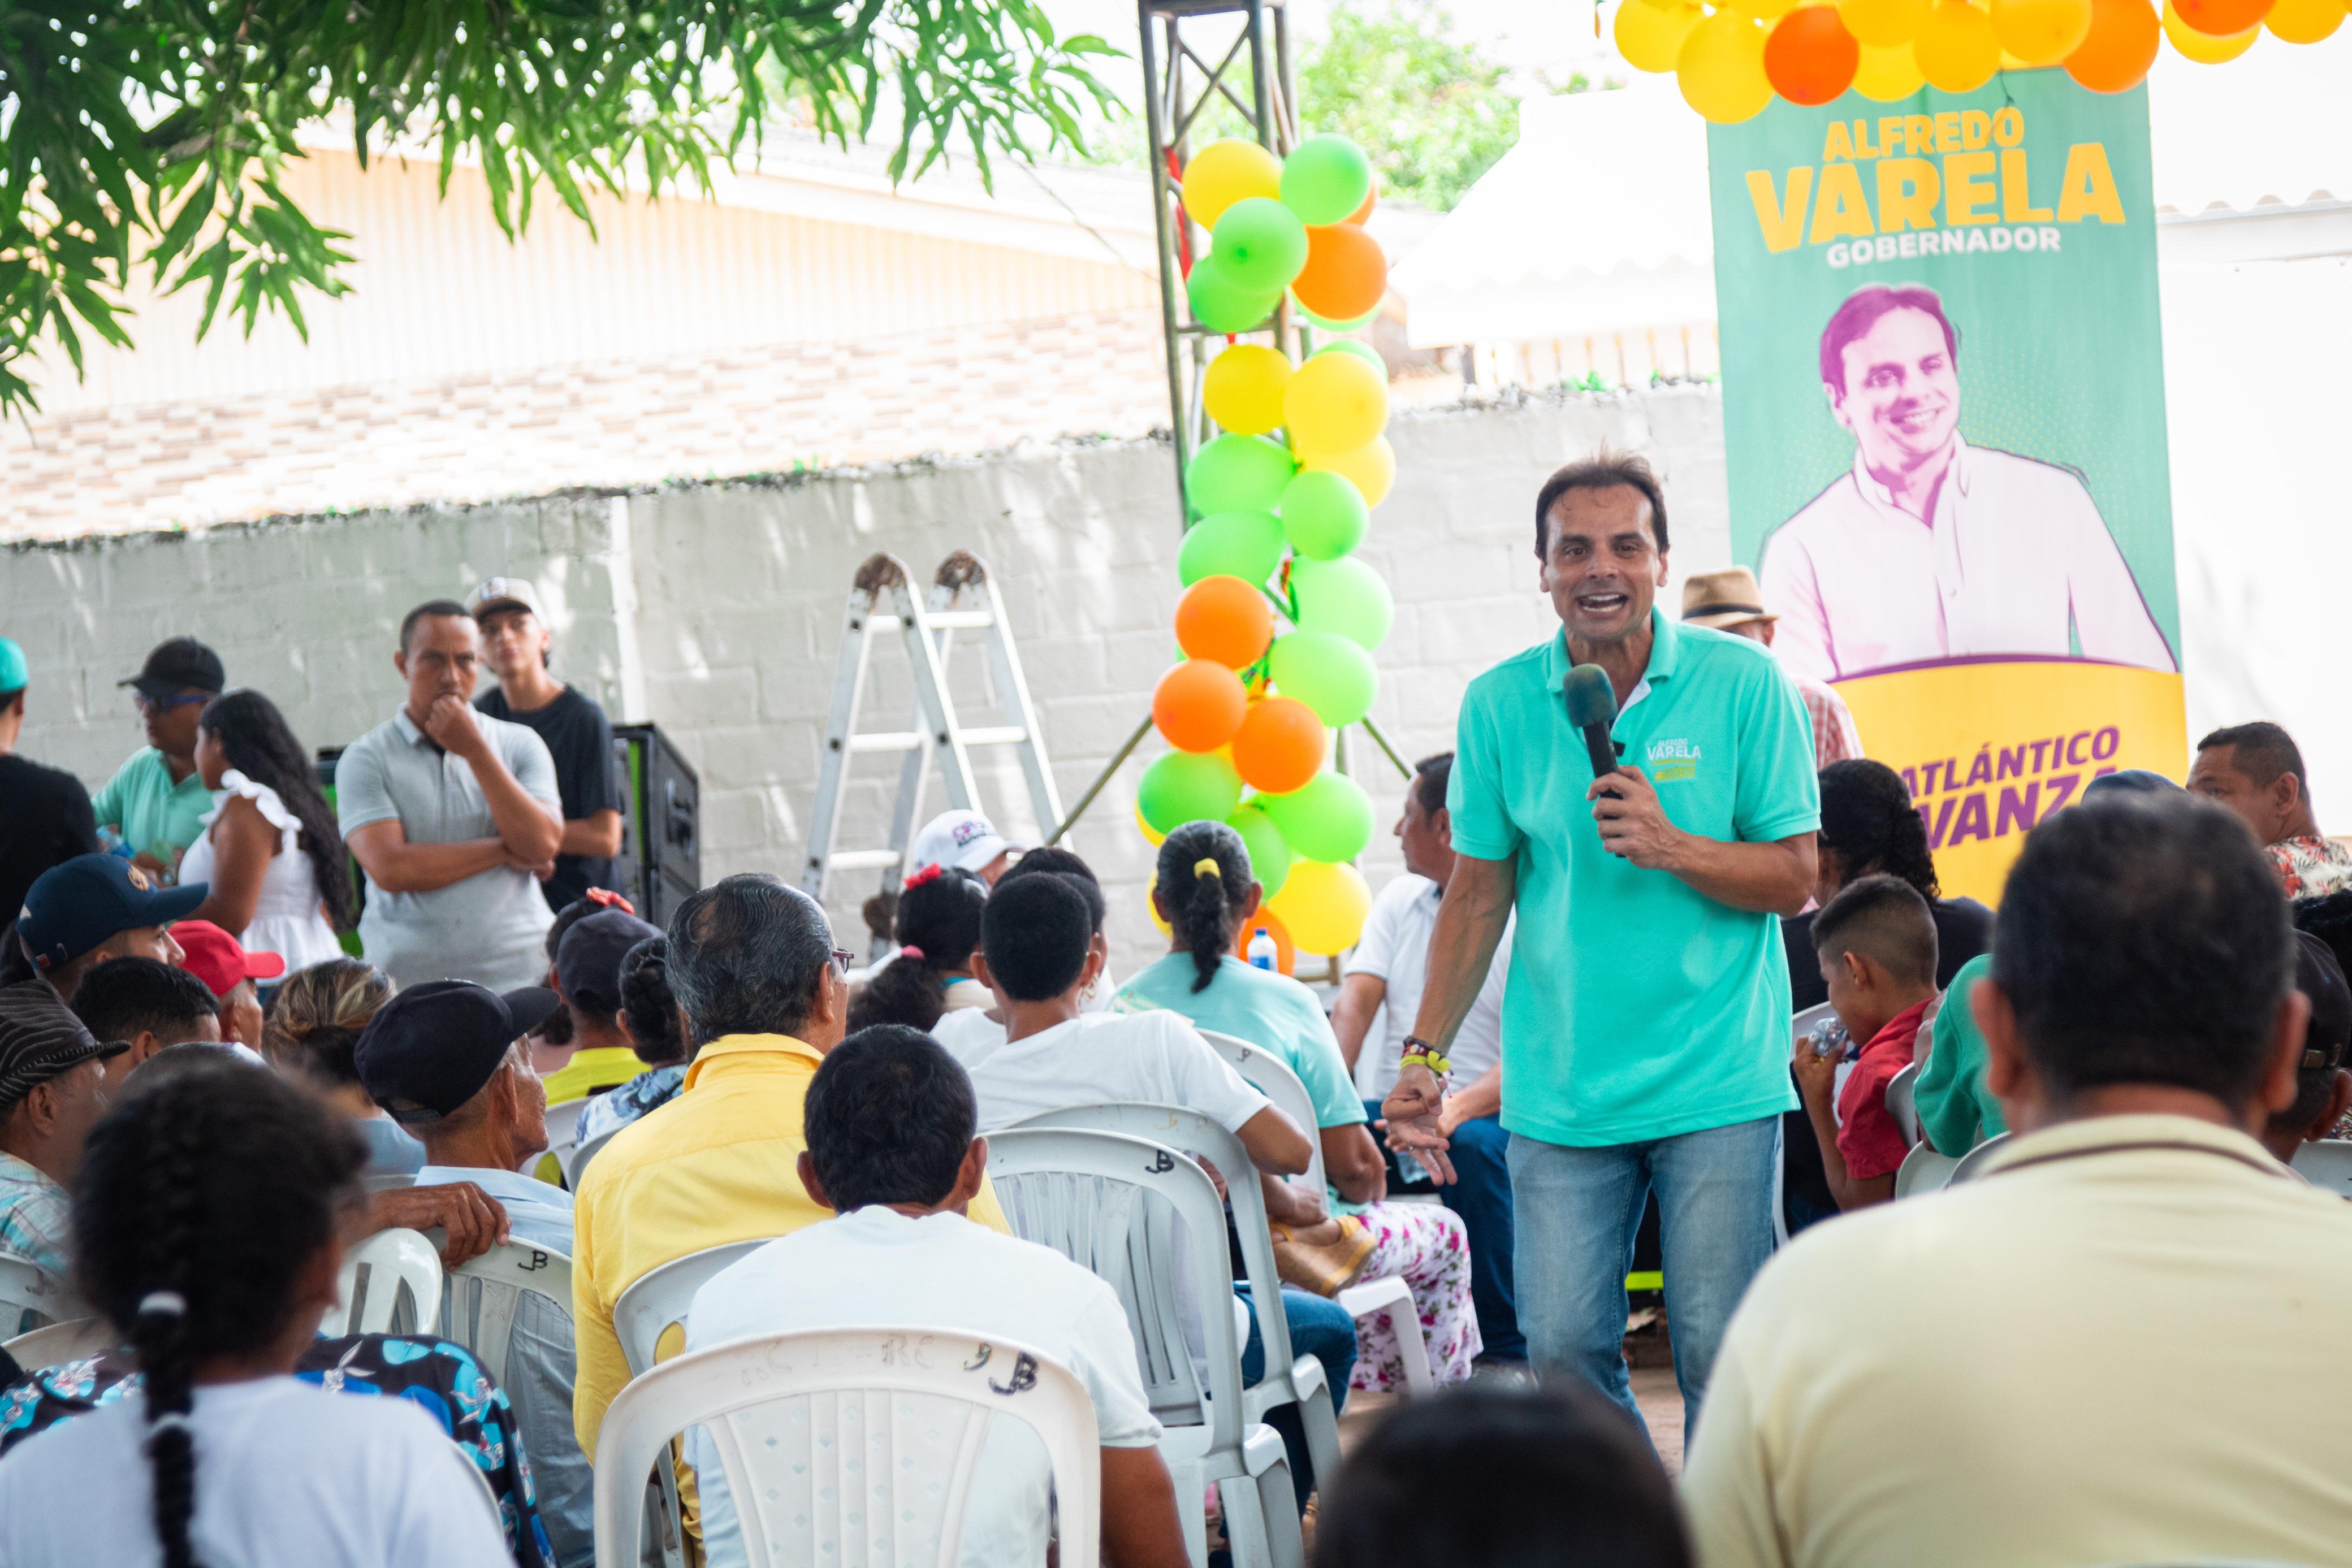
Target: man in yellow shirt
x,y
751,961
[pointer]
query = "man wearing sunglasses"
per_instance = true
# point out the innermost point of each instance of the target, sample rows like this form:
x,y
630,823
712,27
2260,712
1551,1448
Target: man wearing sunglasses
x,y
157,800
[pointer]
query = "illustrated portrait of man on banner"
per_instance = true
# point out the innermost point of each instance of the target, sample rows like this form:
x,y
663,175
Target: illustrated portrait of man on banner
x,y
1930,549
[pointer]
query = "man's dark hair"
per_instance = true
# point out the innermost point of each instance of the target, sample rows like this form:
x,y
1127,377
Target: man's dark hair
x,y
747,955
2261,751
1034,931
430,606
1884,918
1429,777
118,999
2143,939
1549,1478
10,699
1602,471
1063,862
1862,311
888,1119
1868,819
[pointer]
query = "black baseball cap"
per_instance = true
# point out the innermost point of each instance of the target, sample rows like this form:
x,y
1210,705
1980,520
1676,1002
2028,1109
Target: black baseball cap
x,y
79,904
588,959
2318,976
176,666
40,1038
432,1047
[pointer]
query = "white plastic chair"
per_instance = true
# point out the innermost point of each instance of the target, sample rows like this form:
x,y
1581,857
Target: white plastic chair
x,y
479,1297
31,1298
791,1415
575,1160
562,1121
60,1342
1084,1194
2327,1165
1971,1164
1900,1105
390,1284
1391,1298
1924,1170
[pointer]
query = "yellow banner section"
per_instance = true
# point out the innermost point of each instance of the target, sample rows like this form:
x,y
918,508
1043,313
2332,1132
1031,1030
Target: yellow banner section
x,y
1990,748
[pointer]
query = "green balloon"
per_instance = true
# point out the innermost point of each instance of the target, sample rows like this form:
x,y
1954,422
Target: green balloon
x,y
1325,179
1344,596
1224,305
1186,787
1328,672
1323,514
1357,347
1330,819
1269,852
1247,544
1259,245
1237,474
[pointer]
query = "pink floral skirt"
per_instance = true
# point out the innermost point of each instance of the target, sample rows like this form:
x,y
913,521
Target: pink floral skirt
x,y
1423,1245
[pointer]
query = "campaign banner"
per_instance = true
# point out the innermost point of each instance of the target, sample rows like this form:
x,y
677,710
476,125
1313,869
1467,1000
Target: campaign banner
x,y
1943,385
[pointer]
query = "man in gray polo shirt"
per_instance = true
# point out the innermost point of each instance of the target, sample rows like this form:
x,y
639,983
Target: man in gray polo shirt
x,y
455,817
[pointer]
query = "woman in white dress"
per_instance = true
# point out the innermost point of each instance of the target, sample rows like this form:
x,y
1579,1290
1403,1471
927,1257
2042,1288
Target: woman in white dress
x,y
280,876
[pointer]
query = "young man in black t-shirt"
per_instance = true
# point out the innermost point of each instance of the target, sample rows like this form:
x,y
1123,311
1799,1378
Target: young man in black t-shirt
x,y
45,815
515,643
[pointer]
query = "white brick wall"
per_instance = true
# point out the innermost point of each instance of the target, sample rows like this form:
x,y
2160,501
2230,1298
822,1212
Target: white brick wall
x,y
739,591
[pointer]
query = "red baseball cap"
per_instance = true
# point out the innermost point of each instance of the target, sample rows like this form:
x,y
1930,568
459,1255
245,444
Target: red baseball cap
x,y
220,959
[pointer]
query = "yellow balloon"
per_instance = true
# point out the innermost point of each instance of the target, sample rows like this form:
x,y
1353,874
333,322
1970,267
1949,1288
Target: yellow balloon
x,y
1765,10
1223,173
2041,32
1151,835
1650,35
2204,47
1956,50
2304,21
1883,24
1153,910
1334,404
1243,389
1721,72
1885,76
1323,905
1372,468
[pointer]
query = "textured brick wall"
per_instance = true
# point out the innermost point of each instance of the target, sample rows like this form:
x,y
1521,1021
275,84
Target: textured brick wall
x,y
739,589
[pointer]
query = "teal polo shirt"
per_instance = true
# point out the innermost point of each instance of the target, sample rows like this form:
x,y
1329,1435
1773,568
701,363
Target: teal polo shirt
x,y
153,815
1636,1007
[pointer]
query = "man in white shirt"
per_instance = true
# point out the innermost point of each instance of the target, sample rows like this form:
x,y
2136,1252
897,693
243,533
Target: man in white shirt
x,y
1385,975
1932,549
2122,1342
890,1127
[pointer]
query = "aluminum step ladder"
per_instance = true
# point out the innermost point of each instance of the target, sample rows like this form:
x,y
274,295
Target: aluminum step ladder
x,y
962,598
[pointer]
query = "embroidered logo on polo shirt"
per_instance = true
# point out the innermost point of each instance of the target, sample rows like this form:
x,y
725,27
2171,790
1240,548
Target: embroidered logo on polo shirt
x,y
1672,760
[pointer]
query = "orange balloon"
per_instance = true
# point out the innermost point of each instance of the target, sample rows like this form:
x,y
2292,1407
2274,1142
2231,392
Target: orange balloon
x,y
2120,46
1345,275
1279,747
1199,705
1224,620
1810,58
2221,19
1371,200
1286,952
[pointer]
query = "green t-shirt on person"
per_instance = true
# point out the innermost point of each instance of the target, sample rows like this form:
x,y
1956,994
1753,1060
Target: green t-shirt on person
x,y
1266,1010
1637,1008
1956,1110
154,816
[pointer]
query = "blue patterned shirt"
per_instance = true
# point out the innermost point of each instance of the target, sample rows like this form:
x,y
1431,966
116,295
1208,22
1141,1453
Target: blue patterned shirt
x,y
617,1107
35,1216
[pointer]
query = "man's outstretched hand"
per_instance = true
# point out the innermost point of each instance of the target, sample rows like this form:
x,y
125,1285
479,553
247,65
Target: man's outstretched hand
x,y
471,1219
1411,1117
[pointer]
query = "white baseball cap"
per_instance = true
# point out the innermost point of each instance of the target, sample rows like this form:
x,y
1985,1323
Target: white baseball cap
x,y
965,841
499,593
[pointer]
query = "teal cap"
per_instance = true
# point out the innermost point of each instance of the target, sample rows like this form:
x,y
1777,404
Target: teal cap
x,y
12,665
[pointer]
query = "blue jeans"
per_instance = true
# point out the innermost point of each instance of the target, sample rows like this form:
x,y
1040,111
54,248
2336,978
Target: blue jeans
x,y
1482,1197
1321,1328
1576,1212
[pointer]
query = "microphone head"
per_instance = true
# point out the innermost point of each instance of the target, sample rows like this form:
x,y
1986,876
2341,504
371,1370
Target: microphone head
x,y
1591,698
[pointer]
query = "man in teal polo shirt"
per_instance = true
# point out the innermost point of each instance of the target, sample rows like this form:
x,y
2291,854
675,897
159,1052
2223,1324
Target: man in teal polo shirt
x,y
157,801
1645,1021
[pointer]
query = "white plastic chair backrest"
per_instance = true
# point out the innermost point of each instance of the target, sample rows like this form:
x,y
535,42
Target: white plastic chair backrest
x,y
60,1342
1900,1105
1079,1192
1189,1131
390,1271
853,1447
480,1296
2326,1166
1923,1171
575,1159
31,1298
658,1298
1266,1071
1973,1163
562,1121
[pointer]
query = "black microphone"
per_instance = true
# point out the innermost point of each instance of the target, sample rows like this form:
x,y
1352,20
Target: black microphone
x,y
1592,708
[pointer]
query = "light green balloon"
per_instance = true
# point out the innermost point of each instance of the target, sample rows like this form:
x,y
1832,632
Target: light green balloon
x,y
1351,324
1186,787
1327,672
1323,514
1344,596
1258,244
1247,544
1222,303
1330,819
1237,474
1357,347
1325,179
1269,850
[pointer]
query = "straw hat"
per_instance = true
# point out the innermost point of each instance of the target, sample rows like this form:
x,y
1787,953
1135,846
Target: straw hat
x,y
1722,599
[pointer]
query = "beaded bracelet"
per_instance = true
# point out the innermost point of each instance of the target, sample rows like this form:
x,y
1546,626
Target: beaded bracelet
x,y
1421,1053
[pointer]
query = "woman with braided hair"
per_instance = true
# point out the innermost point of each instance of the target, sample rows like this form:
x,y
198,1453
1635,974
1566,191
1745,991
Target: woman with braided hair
x,y
209,1216
1206,893
938,925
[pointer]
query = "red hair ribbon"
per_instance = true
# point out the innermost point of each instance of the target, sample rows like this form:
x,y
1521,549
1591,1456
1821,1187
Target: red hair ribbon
x,y
930,872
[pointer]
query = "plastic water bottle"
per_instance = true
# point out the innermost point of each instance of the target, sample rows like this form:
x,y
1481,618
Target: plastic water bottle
x,y
1263,953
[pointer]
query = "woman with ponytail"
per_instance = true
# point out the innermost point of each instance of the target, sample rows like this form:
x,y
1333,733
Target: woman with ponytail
x,y
209,1212
1206,893
280,879
938,925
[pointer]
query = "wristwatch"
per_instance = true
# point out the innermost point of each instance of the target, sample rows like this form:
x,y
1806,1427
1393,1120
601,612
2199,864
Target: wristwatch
x,y
1419,1052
